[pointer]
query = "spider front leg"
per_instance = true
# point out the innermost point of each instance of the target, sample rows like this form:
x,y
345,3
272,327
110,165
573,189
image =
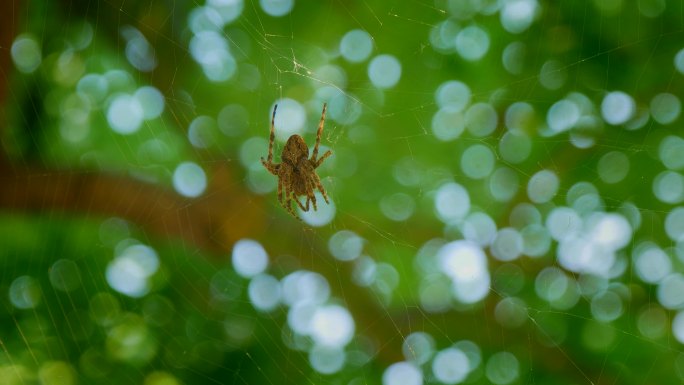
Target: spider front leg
x,y
273,168
320,161
271,138
319,132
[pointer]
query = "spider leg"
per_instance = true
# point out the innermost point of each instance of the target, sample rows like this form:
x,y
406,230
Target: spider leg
x,y
317,180
310,187
288,202
290,209
271,167
313,200
319,161
286,178
314,155
301,206
271,139
280,192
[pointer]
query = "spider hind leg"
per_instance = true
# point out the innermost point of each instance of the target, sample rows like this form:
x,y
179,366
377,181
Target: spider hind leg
x,y
285,179
319,186
301,206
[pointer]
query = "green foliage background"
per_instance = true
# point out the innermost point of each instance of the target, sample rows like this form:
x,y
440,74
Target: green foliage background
x,y
59,197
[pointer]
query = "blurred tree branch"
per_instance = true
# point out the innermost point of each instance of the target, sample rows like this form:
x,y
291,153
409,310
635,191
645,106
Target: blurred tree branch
x,y
212,222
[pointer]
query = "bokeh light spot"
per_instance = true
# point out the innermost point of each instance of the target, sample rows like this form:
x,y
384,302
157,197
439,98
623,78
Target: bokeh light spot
x,y
402,373
202,131
264,291
668,187
151,100
249,258
356,45
125,114
670,291
26,53
384,71
454,94
481,119
502,368
670,152
65,275
472,43
398,206
543,186
674,224
452,202
189,179
504,184
563,115
418,347
232,120
128,272
507,245
345,245
448,123
25,292
617,107
665,108
332,325
606,306
477,161
511,312
517,15
276,8
450,366
327,360
613,167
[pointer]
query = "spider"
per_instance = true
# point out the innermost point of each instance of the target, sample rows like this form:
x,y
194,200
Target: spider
x,y
297,172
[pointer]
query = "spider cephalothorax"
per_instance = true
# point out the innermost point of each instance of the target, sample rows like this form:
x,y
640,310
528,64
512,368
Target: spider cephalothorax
x,y
297,172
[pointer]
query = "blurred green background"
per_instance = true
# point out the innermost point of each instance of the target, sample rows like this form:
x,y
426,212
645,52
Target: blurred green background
x,y
506,187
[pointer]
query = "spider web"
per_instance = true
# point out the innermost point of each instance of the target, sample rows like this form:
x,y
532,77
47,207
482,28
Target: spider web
x,y
156,251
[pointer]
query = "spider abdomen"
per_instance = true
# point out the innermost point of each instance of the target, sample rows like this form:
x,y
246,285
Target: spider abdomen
x,y
295,148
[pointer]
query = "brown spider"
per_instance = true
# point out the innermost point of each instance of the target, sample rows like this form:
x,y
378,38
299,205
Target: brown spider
x,y
297,172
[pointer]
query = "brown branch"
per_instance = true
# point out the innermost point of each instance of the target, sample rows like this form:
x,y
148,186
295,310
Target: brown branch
x,y
212,222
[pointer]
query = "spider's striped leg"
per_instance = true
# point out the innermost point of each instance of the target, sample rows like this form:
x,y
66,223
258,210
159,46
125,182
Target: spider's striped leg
x,y
271,138
310,188
301,206
286,177
313,200
317,180
271,167
319,133
280,192
319,161
288,206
